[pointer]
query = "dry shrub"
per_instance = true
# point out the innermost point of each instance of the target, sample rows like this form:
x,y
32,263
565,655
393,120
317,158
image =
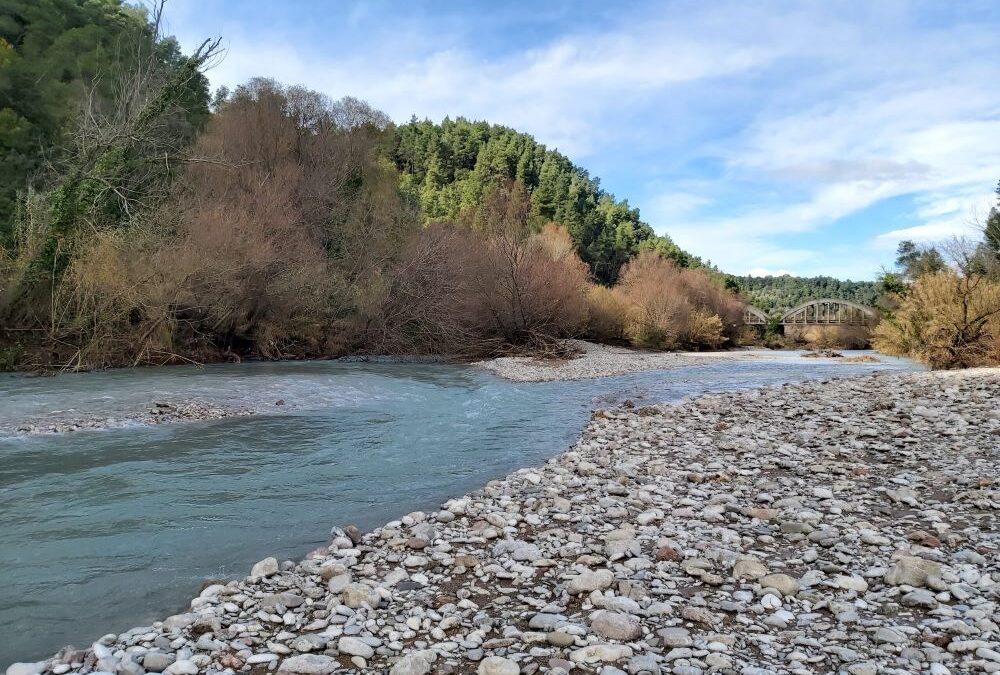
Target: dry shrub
x,y
835,337
671,308
286,231
748,336
530,288
704,329
495,287
948,320
539,295
425,306
607,311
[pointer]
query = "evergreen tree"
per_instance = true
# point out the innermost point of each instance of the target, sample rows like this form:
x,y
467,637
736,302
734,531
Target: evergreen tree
x,y
451,167
992,230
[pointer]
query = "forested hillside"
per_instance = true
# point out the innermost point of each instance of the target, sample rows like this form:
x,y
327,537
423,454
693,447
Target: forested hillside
x,y
449,167
141,224
784,292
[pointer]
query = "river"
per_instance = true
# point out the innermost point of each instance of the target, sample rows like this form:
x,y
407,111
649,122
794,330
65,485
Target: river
x,y
105,530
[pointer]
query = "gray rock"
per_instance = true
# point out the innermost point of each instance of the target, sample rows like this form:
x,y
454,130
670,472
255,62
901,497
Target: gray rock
x,y
26,668
749,568
287,600
589,581
560,639
615,625
182,667
782,583
157,662
359,595
265,568
310,642
417,663
643,664
919,598
601,653
178,621
543,621
889,635
355,647
496,665
309,664
912,571
675,637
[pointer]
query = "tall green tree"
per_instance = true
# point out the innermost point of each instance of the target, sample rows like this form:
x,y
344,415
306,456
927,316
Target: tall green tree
x,y
914,260
991,232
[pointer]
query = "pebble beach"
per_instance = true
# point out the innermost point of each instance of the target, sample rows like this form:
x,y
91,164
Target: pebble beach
x,y
591,359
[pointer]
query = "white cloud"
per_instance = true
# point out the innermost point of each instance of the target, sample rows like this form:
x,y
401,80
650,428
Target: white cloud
x,y
902,130
565,92
813,111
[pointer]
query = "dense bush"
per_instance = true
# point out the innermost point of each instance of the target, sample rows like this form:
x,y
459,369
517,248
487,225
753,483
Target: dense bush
x,y
947,320
671,308
607,311
491,287
833,337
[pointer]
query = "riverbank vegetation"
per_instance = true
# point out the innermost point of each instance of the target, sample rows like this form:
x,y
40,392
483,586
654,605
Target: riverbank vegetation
x,y
942,305
146,222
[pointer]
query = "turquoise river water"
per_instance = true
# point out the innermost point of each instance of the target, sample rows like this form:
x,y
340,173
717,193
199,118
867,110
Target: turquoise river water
x,y
104,530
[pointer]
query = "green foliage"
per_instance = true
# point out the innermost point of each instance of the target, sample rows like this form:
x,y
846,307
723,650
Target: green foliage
x,y
52,51
914,260
991,232
54,55
771,294
449,168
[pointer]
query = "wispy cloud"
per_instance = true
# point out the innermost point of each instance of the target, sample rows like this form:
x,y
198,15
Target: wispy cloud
x,y
750,133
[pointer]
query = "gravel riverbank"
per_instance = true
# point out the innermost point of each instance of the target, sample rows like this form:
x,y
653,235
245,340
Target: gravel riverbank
x,y
848,526
598,360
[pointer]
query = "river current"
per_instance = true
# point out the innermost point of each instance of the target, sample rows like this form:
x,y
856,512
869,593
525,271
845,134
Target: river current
x,y
104,530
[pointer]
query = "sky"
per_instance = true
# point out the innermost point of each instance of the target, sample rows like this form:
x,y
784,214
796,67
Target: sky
x,y
767,137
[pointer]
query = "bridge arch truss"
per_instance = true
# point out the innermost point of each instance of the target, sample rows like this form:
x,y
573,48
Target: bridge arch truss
x,y
753,316
829,311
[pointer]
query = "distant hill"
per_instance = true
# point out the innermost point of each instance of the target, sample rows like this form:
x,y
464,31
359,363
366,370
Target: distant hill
x,y
784,292
448,167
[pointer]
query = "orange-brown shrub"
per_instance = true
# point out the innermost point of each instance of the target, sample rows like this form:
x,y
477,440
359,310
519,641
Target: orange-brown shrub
x,y
671,308
288,227
489,288
833,337
948,320
531,286
607,311
425,304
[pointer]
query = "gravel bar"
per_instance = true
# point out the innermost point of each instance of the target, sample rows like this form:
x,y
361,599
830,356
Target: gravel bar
x,y
598,360
846,526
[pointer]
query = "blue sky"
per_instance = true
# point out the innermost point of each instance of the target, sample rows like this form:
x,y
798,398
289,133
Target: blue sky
x,y
807,137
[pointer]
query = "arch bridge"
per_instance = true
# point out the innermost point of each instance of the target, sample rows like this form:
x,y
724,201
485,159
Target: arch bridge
x,y
821,312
